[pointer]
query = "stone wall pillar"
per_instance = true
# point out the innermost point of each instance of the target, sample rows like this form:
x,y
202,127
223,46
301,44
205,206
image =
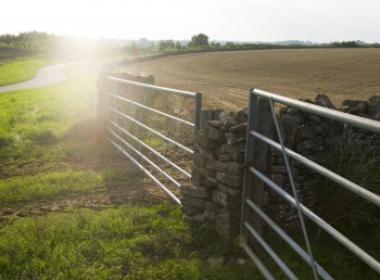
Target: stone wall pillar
x,y
217,178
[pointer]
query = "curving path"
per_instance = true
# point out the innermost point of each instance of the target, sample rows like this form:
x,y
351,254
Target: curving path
x,y
46,76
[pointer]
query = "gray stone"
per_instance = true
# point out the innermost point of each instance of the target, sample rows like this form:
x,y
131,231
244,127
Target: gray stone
x,y
205,143
211,182
197,179
228,190
227,223
233,168
317,129
314,119
199,159
220,198
238,157
316,142
196,218
324,101
304,132
359,109
239,128
214,123
374,107
211,164
350,103
239,147
191,202
214,134
206,153
230,180
203,171
192,191
209,216
223,149
224,157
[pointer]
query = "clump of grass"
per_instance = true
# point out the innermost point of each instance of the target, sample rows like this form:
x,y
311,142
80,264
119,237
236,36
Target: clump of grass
x,y
47,186
128,242
19,70
43,137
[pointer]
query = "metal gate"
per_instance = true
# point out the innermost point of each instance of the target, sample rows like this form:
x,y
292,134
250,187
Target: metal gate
x,y
154,128
257,143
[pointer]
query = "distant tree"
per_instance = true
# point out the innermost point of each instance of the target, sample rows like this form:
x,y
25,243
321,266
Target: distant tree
x,y
199,40
178,45
166,45
215,45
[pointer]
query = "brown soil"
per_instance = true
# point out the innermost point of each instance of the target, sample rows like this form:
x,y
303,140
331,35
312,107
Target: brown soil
x,y
225,77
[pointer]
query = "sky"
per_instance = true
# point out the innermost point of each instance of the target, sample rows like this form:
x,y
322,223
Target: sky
x,y
237,20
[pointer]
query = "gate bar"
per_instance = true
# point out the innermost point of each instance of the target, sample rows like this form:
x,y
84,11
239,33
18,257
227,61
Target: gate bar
x,y
270,251
297,248
159,134
152,109
140,166
162,89
360,253
322,170
184,172
174,181
357,121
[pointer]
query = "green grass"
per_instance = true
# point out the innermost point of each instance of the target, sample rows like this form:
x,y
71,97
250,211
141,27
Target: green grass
x,y
19,70
128,242
33,122
50,185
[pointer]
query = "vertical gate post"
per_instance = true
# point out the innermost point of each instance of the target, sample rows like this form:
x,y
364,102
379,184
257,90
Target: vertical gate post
x,y
197,111
256,155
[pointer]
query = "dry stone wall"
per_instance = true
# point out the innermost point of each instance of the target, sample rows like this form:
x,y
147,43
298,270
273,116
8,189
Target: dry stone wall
x,y
218,162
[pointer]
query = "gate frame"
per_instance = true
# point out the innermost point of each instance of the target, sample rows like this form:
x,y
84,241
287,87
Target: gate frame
x,y
261,105
162,90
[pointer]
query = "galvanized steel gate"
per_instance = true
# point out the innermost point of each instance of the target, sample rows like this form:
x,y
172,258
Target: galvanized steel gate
x,y
149,136
255,176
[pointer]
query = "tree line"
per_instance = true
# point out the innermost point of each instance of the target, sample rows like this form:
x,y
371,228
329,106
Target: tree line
x,y
48,43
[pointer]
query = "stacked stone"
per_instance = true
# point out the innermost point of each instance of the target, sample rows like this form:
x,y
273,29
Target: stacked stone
x,y
313,137
217,178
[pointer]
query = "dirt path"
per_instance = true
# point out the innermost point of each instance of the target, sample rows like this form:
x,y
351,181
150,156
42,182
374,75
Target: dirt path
x,y
46,76
225,77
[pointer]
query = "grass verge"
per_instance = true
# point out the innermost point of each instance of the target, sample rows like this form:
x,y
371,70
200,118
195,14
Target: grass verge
x,y
19,70
49,185
128,242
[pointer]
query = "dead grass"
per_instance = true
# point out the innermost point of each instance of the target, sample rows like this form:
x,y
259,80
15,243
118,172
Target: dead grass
x,y
225,77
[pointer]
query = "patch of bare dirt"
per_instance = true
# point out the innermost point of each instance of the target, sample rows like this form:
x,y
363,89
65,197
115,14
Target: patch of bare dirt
x,y
143,193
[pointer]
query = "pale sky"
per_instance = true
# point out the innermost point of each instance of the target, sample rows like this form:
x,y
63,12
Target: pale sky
x,y
243,20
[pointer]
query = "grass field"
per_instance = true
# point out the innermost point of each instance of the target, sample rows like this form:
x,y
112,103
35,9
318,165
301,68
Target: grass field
x,y
225,77
71,207
19,70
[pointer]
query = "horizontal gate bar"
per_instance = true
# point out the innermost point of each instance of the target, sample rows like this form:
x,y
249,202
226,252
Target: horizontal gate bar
x,y
270,251
152,109
297,248
258,262
174,181
349,119
159,134
360,253
162,186
163,89
184,172
322,170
